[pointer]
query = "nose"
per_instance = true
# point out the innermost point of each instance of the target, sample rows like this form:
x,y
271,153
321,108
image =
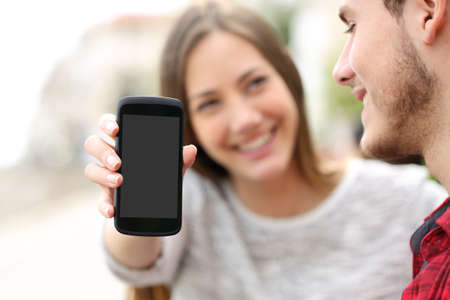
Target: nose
x,y
343,72
244,117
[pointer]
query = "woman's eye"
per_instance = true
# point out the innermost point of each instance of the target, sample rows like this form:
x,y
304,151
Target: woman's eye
x,y
255,83
350,28
207,104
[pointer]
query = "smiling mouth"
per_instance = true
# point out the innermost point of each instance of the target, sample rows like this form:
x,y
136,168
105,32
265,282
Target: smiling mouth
x,y
257,143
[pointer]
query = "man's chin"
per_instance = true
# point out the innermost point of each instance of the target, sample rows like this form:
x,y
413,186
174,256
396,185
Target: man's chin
x,y
382,148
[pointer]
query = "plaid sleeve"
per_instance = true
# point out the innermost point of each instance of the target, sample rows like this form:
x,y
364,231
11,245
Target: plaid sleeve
x,y
433,281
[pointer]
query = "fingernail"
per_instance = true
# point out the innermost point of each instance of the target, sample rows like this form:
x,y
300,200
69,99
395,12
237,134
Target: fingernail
x,y
106,210
112,161
114,179
110,126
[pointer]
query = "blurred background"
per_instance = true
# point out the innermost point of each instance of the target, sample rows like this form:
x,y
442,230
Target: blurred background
x,y
64,64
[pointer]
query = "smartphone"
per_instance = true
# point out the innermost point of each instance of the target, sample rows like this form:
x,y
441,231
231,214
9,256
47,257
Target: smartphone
x,y
149,143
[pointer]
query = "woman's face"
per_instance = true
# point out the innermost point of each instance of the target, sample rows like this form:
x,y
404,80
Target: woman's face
x,y
242,112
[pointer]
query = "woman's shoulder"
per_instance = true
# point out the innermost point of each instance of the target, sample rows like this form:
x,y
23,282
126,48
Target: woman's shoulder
x,y
381,179
380,191
379,171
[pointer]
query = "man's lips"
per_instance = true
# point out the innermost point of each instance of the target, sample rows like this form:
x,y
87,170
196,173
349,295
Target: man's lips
x,y
360,94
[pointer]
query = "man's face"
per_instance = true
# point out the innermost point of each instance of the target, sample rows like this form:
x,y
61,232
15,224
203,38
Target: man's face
x,y
382,66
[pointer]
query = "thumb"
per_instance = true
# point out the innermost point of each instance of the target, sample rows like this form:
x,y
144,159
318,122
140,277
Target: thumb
x,y
189,154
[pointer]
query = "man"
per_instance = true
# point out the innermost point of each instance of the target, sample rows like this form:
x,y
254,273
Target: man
x,y
397,61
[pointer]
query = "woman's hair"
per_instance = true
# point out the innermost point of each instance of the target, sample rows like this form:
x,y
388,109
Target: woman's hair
x,y
158,292
194,25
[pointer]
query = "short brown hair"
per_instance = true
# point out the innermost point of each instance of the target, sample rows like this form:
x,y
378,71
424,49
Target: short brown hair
x,y
395,7
194,25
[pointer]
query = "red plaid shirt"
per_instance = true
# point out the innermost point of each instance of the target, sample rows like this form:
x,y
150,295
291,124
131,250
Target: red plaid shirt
x,y
431,258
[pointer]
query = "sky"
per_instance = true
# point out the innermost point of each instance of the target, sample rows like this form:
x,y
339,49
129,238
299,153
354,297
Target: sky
x,y
36,34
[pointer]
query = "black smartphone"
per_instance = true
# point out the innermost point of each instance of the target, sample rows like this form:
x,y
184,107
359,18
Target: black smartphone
x,y
149,143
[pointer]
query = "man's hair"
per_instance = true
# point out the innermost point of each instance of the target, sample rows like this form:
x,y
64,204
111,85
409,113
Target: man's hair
x,y
395,7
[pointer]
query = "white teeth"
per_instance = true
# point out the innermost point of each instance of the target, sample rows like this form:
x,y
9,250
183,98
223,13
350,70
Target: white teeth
x,y
255,144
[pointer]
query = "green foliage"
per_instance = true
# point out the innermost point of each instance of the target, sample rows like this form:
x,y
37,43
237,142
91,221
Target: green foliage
x,y
341,101
280,16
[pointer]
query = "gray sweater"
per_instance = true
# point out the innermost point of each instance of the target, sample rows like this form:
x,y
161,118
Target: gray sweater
x,y
355,245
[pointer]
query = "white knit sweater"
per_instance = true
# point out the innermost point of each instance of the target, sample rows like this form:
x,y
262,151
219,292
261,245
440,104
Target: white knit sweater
x,y
355,245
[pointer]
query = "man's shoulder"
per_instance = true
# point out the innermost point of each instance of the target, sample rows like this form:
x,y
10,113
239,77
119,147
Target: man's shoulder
x,y
433,281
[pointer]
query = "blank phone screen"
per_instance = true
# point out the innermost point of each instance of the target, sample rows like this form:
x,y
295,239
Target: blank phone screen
x,y
150,150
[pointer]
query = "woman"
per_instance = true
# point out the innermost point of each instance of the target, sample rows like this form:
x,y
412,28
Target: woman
x,y
262,217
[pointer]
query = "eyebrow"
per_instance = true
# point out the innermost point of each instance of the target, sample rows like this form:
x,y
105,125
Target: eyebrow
x,y
201,95
343,12
246,75
241,78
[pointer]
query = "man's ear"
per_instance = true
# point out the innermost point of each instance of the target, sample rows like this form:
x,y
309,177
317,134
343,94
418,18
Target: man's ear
x,y
433,19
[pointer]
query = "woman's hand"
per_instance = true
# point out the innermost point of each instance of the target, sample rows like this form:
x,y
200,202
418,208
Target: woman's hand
x,y
105,173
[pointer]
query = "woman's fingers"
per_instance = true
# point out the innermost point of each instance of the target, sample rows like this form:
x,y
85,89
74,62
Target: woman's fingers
x,y
189,154
98,148
105,203
103,176
108,125
105,153
108,181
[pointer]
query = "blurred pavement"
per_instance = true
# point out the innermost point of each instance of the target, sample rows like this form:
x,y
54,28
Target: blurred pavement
x,y
51,250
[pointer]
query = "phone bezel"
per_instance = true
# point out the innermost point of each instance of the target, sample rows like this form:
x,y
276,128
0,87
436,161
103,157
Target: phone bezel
x,y
150,106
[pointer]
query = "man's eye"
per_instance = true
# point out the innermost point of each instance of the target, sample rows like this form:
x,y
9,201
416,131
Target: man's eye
x,y
207,104
351,28
258,81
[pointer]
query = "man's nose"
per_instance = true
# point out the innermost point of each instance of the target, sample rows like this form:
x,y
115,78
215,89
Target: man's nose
x,y
343,72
